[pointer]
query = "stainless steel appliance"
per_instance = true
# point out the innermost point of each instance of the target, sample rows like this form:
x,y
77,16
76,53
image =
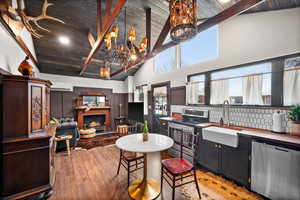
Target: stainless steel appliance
x,y
275,171
191,117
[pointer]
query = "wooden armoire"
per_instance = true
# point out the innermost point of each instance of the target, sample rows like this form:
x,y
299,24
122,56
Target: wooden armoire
x,y
27,165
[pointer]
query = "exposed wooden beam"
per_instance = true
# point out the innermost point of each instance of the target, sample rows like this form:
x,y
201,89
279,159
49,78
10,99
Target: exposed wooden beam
x,y
99,40
91,39
148,29
234,10
107,11
99,18
163,34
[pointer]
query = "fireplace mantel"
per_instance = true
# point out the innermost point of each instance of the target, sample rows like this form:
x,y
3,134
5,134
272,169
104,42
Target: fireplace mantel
x,y
80,112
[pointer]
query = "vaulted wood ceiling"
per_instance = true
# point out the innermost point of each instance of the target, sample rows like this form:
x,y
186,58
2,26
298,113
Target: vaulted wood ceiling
x,y
80,17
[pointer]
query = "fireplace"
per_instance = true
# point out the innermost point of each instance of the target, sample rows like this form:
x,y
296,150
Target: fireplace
x,y
94,121
99,116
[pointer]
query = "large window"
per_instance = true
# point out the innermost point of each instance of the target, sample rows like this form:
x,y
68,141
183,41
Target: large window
x,y
165,61
201,48
291,82
250,85
196,90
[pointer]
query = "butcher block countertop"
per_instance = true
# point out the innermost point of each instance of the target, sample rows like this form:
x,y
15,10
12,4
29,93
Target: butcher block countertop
x,y
252,132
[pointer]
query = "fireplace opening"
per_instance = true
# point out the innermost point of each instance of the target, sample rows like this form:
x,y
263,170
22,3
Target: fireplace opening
x,y
94,121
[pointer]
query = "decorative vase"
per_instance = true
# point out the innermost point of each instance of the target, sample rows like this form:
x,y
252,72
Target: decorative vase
x,y
25,68
295,129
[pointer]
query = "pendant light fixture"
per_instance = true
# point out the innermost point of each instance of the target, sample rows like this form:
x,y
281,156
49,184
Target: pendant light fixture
x,y
105,72
183,19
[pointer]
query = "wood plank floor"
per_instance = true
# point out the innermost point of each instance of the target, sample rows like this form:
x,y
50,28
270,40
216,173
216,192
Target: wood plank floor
x,y
91,175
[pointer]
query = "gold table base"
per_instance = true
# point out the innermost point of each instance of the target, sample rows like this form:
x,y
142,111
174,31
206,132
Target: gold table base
x,y
144,189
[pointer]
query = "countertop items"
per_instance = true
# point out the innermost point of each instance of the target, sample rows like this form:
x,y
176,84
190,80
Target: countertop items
x,y
252,132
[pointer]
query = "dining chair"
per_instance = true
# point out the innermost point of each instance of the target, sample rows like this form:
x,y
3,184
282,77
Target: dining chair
x,y
178,169
131,161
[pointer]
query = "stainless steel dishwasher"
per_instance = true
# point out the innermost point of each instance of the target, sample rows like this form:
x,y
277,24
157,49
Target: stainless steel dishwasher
x,y
275,171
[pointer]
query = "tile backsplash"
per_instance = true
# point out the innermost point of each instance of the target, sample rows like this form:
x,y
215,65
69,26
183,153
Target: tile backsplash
x,y
261,118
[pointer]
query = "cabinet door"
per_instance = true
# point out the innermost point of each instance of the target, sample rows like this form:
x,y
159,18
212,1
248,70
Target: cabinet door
x,y
208,155
235,162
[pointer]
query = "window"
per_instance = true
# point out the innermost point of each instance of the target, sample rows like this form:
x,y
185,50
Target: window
x,y
291,81
250,85
165,61
201,48
196,90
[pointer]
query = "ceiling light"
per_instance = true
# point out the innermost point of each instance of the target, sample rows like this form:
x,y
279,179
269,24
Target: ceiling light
x,y
223,1
183,19
64,40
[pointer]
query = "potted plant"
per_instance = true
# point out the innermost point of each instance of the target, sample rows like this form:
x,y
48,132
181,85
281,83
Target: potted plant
x,y
295,117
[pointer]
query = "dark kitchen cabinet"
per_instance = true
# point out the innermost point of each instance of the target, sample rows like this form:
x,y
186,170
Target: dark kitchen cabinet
x,y
208,155
163,129
233,163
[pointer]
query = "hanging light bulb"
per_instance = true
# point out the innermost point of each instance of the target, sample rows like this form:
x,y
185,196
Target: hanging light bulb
x,y
183,19
143,45
131,34
107,40
114,33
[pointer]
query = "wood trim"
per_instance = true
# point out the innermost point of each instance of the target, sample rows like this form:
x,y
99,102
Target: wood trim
x,y
163,34
99,18
107,12
148,29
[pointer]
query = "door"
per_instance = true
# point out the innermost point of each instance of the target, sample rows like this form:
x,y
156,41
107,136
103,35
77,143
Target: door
x,y
160,104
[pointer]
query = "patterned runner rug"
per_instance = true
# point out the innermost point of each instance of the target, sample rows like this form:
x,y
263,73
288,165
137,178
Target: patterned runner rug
x,y
217,188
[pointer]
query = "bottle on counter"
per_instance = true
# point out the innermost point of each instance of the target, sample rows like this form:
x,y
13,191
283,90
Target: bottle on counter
x,y
221,122
145,131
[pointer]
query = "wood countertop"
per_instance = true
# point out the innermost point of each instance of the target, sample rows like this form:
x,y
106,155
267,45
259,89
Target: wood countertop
x,y
252,132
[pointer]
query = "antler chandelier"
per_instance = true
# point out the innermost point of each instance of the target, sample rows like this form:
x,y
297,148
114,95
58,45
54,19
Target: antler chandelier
x,y
122,54
183,19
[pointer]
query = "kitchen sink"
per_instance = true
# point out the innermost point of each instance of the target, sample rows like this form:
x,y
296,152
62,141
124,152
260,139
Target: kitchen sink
x,y
219,135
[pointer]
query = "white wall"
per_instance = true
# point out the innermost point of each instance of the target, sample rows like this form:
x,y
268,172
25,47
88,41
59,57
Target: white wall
x,y
68,82
242,39
11,55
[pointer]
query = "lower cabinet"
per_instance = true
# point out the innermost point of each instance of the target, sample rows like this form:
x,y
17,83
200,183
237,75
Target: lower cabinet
x,y
208,155
230,162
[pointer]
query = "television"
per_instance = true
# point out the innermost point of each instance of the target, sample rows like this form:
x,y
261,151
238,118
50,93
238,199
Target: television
x,y
136,111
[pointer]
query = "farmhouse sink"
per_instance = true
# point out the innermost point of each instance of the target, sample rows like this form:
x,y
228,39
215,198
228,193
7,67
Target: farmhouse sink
x,y
219,135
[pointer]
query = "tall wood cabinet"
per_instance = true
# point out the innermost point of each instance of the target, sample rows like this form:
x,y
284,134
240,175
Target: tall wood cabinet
x,y
26,138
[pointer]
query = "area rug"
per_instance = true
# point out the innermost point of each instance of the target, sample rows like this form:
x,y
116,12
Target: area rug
x,y
217,188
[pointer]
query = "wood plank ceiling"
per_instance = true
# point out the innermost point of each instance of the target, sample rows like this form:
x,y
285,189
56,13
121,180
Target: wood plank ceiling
x,y
80,17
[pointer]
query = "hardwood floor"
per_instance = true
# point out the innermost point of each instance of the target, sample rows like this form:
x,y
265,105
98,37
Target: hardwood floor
x,y
91,175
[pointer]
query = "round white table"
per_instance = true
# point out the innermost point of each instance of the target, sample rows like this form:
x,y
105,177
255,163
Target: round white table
x,y
149,186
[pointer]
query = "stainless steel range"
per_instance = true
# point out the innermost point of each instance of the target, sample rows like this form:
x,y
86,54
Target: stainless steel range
x,y
191,117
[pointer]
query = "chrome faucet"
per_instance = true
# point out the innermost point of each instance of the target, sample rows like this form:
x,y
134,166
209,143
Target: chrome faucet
x,y
224,111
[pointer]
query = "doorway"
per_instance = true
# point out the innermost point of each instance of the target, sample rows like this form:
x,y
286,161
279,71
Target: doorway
x,y
160,103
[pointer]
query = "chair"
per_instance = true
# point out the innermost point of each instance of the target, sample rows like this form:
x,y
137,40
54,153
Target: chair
x,y
177,169
131,161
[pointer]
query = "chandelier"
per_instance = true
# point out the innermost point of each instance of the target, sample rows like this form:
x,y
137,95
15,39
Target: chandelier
x,y
183,19
123,54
